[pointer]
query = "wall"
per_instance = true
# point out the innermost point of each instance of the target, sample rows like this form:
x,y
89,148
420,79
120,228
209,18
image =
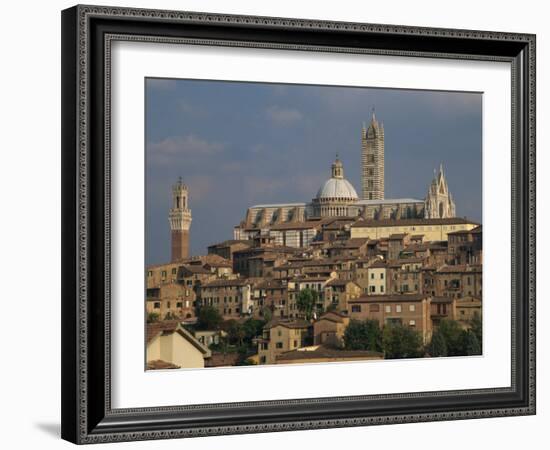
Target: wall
x,y
30,74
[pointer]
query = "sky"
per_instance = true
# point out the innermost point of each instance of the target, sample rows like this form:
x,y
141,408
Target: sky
x,y
237,144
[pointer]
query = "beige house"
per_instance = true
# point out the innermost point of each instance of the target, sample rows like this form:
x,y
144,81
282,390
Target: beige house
x,y
467,308
337,292
329,329
171,343
281,336
377,278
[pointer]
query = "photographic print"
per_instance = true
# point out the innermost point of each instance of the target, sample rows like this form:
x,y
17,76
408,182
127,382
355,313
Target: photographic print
x,y
297,224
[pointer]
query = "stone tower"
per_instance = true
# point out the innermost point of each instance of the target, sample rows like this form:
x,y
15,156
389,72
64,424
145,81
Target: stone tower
x,y
439,202
372,160
180,221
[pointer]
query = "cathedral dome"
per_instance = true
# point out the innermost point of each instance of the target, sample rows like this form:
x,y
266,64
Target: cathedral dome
x,y
337,187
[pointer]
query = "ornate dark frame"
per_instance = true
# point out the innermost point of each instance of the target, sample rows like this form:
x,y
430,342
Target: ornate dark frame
x,y
87,32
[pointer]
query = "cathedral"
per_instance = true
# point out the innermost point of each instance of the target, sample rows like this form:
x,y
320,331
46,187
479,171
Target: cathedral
x,y
338,198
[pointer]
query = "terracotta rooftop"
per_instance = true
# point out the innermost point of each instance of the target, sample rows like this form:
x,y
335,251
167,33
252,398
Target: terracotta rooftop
x,y
296,323
325,352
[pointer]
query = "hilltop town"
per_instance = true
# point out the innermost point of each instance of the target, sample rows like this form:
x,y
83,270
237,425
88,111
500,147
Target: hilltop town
x,y
340,278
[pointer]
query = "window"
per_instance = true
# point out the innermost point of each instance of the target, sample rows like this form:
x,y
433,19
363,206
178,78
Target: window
x,y
372,276
179,305
388,308
381,288
279,333
398,308
164,274
150,273
295,343
412,308
412,323
355,308
174,271
372,288
381,275
157,305
168,304
279,345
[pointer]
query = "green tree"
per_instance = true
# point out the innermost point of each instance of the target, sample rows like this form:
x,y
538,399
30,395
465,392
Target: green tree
x,y
267,314
209,319
470,343
306,300
400,341
235,332
477,329
253,328
153,317
437,346
452,334
363,335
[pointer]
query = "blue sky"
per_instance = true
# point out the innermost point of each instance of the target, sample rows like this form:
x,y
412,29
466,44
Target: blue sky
x,y
238,144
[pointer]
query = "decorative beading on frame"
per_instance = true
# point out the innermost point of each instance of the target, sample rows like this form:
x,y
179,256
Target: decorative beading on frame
x,y
86,12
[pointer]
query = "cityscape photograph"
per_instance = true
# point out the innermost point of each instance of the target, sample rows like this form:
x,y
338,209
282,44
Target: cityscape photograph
x,y
298,224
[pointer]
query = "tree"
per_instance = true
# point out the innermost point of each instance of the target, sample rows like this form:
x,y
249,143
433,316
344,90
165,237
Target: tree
x,y
235,332
470,343
437,346
363,335
153,317
267,314
306,300
208,318
253,328
399,341
477,329
452,334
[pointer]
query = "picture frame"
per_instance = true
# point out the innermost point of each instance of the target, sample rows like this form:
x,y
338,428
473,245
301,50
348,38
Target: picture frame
x,y
87,366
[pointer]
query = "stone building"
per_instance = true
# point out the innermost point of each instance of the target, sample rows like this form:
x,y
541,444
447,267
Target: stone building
x,y
411,310
432,229
465,247
232,298
180,221
338,292
455,281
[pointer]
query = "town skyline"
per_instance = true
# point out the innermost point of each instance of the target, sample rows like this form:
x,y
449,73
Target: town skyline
x,y
225,179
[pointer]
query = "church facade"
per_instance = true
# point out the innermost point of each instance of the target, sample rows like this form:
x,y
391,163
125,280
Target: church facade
x,y
338,198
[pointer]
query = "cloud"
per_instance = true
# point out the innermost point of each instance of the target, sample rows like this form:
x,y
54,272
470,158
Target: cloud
x,y
283,116
167,150
192,110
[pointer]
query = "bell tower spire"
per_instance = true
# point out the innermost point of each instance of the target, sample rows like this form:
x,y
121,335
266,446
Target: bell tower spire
x,y
180,221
